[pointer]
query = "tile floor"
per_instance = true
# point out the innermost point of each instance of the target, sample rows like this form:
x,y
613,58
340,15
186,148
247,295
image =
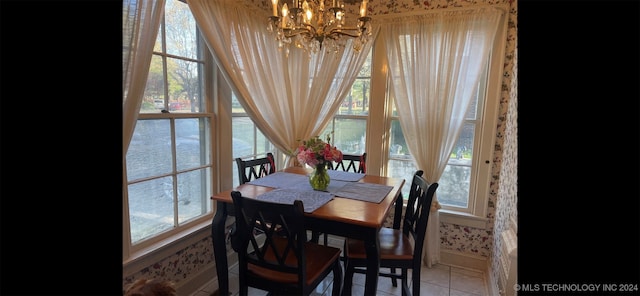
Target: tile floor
x,y
440,280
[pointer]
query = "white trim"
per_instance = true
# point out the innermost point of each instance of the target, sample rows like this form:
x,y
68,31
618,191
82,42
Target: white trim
x,y
464,219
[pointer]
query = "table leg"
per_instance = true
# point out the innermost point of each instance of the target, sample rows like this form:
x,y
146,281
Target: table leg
x,y
372,247
220,248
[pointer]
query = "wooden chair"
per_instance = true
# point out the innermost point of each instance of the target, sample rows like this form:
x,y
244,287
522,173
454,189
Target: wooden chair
x,y
252,169
399,248
351,163
354,163
281,262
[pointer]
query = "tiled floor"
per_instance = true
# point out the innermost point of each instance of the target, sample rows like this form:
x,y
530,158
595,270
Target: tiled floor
x,y
441,280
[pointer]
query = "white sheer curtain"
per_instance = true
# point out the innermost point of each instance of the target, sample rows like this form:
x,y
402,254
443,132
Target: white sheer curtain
x,y
140,23
435,61
289,98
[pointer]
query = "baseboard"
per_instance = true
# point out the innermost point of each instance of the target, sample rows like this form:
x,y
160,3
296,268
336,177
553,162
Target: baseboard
x,y
470,261
197,281
464,260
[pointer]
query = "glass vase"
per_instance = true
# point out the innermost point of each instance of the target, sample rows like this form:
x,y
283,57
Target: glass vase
x,y
319,177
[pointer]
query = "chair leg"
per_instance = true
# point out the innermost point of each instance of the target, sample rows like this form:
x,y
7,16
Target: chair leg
x,y
416,284
326,239
337,278
348,278
394,281
405,283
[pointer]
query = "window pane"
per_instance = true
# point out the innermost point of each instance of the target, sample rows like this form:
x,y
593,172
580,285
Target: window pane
x,y
248,141
243,141
150,208
153,100
191,151
193,199
453,187
403,169
348,135
456,178
357,100
400,164
262,144
149,152
398,148
183,86
181,30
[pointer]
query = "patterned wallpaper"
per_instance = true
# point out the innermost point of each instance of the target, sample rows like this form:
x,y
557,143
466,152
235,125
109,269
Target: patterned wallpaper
x,y
507,198
178,266
502,200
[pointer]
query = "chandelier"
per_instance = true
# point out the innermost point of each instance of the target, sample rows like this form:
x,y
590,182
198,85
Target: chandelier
x,y
311,26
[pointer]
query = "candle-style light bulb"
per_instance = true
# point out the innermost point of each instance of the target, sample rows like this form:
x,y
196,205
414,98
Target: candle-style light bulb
x,y
285,12
275,7
309,15
363,8
307,11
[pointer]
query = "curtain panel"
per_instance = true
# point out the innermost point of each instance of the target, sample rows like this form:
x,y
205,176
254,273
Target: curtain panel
x,y
435,61
140,24
290,97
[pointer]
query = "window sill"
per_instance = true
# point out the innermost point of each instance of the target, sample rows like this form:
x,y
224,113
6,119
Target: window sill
x,y
463,219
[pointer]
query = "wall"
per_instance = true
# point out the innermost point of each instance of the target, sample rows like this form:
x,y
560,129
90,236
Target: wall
x,y
507,199
195,258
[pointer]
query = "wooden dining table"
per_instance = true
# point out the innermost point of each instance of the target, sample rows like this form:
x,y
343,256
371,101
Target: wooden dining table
x,y
340,216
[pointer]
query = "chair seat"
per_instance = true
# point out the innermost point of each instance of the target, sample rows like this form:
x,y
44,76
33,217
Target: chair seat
x,y
393,246
399,248
320,259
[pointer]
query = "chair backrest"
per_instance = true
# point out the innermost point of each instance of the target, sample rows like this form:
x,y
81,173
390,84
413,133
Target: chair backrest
x,y
249,170
416,215
351,163
271,239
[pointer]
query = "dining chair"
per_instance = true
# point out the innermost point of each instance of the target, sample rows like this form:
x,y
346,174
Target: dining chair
x,y
249,170
399,248
281,262
351,163
354,163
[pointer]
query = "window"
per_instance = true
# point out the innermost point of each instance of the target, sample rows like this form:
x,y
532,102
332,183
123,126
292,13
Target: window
x,y
248,140
464,185
349,126
169,163
455,182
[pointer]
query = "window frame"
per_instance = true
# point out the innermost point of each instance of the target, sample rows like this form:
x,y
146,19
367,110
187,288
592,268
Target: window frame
x,y
151,248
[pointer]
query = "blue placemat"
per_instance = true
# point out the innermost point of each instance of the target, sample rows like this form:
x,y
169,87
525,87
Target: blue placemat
x,y
280,180
344,176
311,200
364,191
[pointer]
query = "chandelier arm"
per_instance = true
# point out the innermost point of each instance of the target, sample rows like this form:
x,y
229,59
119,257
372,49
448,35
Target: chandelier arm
x,y
297,32
341,33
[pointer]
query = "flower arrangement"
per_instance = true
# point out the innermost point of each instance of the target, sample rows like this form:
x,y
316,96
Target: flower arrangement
x,y
315,151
